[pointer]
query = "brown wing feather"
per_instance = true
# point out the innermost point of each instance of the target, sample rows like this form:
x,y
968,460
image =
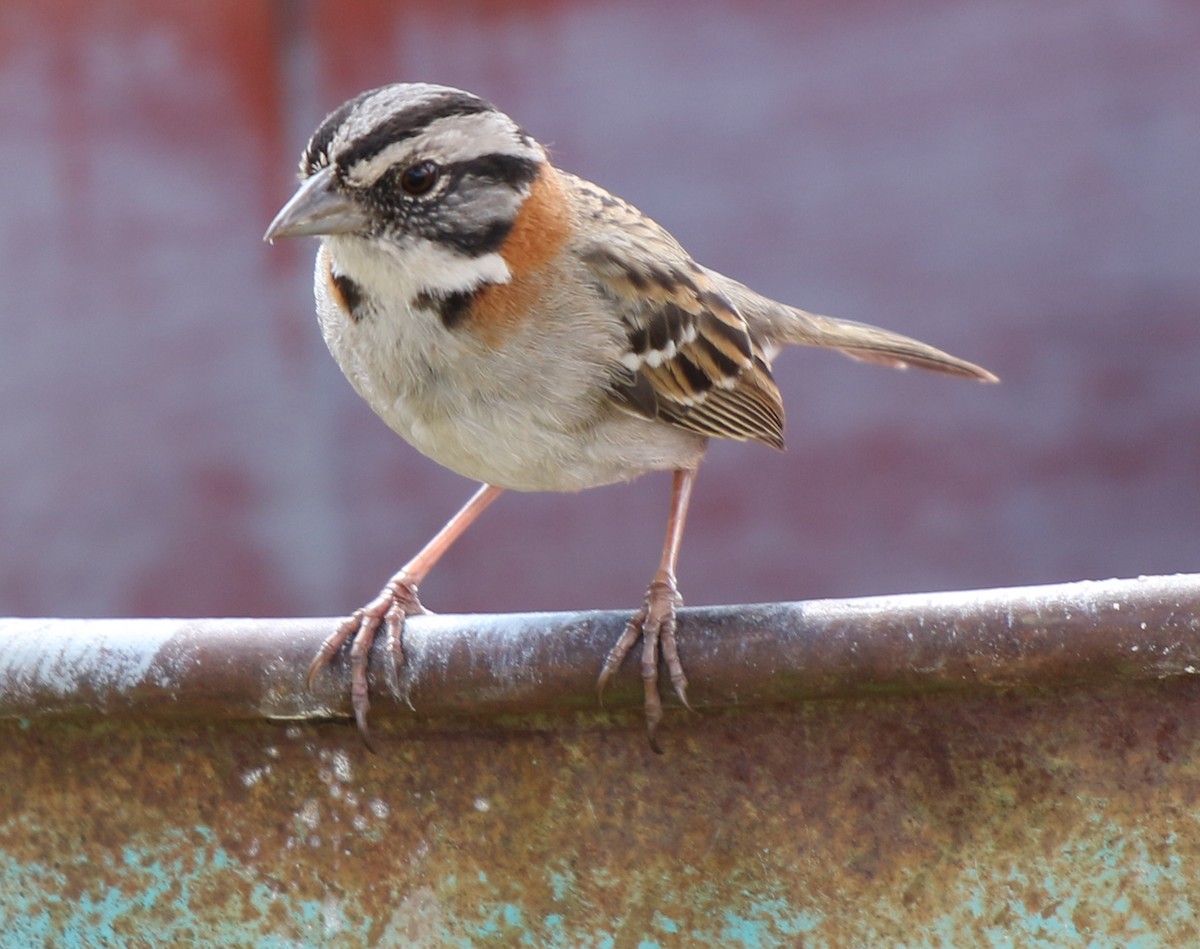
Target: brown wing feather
x,y
689,347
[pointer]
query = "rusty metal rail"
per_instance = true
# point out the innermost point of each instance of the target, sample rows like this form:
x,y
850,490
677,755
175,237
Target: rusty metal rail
x,y
1065,634
992,768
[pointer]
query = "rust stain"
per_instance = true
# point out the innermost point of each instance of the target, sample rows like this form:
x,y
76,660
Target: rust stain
x,y
1046,816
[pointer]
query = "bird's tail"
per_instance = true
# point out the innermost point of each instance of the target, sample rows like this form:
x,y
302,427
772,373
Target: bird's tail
x,y
778,325
872,344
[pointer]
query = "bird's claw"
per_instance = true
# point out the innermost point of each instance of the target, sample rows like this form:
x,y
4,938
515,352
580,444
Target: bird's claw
x,y
397,600
655,625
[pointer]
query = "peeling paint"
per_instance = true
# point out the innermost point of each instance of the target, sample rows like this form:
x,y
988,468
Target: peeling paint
x,y
1041,819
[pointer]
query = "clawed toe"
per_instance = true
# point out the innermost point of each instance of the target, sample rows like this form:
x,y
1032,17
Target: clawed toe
x,y
655,625
387,611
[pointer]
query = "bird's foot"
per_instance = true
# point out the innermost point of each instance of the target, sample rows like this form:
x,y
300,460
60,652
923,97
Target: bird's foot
x,y
654,624
387,611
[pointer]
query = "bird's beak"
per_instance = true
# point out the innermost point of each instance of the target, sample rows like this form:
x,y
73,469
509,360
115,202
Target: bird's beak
x,y
317,208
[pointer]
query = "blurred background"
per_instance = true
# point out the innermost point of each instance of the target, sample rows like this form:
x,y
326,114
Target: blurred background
x,y
1016,182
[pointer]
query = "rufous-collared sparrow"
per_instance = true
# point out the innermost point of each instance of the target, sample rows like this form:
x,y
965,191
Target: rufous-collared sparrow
x,y
527,329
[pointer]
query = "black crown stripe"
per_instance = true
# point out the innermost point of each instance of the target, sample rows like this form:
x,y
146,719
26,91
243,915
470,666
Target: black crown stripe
x,y
410,122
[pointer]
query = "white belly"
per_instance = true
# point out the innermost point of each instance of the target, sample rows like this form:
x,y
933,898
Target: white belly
x,y
526,417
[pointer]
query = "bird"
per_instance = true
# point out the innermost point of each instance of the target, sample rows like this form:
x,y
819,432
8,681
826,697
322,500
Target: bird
x,y
527,329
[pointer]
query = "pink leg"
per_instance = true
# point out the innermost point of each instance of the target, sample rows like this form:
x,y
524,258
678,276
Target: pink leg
x,y
654,623
397,600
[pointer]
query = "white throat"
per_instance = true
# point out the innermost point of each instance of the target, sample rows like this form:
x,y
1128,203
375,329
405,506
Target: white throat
x,y
396,275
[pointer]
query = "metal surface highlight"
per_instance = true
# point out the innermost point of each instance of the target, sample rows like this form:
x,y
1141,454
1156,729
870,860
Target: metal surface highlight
x,y
489,665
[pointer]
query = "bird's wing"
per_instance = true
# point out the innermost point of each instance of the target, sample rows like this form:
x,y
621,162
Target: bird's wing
x,y
691,360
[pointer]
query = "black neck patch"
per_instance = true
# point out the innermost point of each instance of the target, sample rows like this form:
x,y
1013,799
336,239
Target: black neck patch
x,y
351,293
451,308
487,238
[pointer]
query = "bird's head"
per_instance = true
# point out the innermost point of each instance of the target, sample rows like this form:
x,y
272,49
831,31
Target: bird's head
x,y
413,163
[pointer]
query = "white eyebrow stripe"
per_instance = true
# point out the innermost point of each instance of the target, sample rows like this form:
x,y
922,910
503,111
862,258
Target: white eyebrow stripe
x,y
456,138
386,102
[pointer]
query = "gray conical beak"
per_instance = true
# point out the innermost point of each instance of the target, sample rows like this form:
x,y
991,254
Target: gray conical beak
x,y
317,208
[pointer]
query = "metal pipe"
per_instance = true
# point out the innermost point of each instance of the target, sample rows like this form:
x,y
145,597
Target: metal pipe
x,y
484,665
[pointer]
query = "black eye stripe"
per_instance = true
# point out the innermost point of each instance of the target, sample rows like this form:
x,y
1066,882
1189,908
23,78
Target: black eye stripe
x,y
509,170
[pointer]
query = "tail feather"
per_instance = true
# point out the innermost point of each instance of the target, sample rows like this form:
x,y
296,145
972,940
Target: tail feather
x,y
872,344
778,325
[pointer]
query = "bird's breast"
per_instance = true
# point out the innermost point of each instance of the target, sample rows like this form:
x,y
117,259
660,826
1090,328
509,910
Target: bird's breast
x,y
529,409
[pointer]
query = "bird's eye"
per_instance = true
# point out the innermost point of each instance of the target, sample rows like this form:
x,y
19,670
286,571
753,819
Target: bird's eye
x,y
420,178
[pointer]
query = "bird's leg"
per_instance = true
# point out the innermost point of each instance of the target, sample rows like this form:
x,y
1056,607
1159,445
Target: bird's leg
x,y
654,623
396,600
